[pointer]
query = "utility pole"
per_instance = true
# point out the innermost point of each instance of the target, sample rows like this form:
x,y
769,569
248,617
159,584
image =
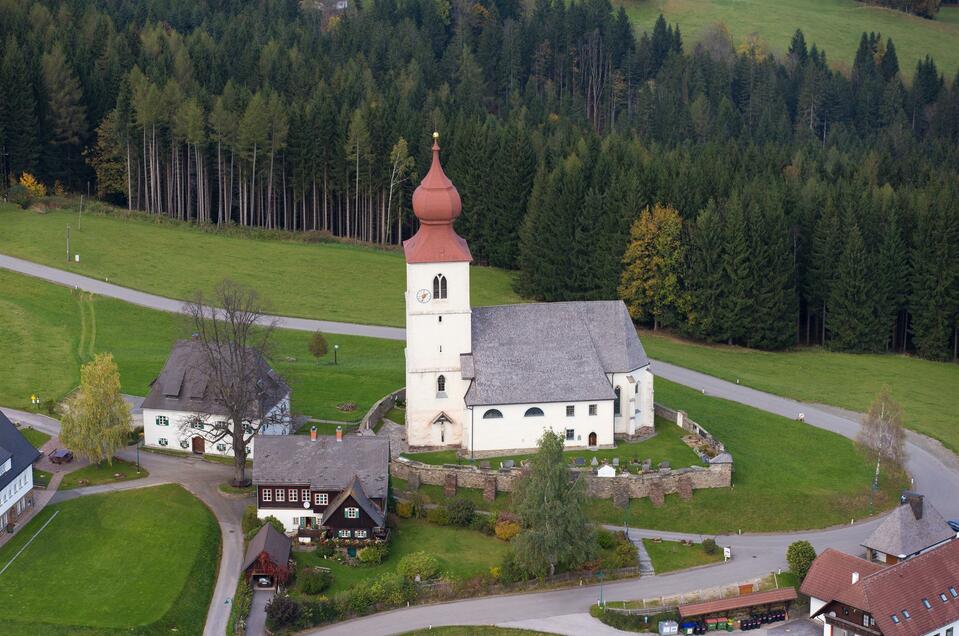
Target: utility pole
x,y
68,243
80,216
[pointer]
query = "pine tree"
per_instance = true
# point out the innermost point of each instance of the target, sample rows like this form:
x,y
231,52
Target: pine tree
x,y
773,321
66,113
704,278
889,65
935,278
853,298
735,305
20,149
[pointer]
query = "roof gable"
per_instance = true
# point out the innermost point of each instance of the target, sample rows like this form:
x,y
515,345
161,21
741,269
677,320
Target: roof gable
x,y
355,490
902,534
15,447
270,540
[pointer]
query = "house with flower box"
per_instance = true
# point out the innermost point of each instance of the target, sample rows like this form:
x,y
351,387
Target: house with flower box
x,y
323,487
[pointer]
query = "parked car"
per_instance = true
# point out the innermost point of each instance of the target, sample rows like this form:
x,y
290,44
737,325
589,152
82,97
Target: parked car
x,y
61,456
954,524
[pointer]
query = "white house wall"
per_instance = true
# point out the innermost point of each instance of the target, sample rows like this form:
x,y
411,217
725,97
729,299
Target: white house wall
x,y
175,437
289,516
16,490
946,630
433,348
516,431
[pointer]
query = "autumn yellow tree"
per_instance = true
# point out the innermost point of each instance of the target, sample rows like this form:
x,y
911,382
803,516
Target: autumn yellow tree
x,y
97,419
650,283
36,189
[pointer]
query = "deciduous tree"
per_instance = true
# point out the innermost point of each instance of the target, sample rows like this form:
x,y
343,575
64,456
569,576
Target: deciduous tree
x,y
650,283
97,419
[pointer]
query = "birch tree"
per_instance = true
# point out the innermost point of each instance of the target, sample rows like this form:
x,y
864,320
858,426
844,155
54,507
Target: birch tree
x,y
881,432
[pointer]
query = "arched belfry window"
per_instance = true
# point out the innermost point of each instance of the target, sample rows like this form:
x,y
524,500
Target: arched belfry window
x,y
439,286
441,384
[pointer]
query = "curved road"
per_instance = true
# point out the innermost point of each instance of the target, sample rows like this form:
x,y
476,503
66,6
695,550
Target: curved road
x,y
935,470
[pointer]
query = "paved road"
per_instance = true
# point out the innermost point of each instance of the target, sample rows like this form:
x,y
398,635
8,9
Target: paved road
x,y
200,478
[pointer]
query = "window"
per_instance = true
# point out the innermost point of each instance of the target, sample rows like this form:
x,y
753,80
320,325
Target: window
x,y
184,444
534,412
221,447
492,414
895,619
162,420
592,409
343,534
949,632
267,494
570,410
952,591
352,513
247,429
294,495
906,614
220,425
439,286
616,402
361,534
637,388
280,495
441,384
926,604
197,425
570,435
320,499
163,441
305,494
943,597
440,319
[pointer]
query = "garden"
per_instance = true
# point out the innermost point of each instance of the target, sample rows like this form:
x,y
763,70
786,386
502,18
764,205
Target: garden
x,y
142,560
103,473
669,556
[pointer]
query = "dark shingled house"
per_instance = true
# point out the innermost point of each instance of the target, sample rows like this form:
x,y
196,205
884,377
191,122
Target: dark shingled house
x,y
16,473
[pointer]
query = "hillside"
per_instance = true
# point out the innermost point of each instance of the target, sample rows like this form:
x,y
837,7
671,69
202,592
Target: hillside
x,y
833,25
331,281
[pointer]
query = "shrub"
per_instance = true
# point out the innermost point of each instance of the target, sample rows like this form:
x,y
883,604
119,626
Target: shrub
x,y
605,539
315,581
709,546
800,556
19,195
626,556
460,512
392,590
510,571
506,529
325,549
438,515
372,554
318,611
404,509
418,564
282,611
250,520
276,523
36,189
482,523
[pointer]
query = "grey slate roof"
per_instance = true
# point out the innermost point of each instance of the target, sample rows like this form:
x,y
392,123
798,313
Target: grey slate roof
x,y
270,540
901,534
355,488
182,384
324,464
550,352
13,445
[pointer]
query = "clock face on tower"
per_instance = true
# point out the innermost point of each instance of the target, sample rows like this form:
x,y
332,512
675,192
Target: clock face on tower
x,y
424,295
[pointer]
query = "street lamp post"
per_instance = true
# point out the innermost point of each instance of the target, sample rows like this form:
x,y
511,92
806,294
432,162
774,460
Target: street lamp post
x,y
336,348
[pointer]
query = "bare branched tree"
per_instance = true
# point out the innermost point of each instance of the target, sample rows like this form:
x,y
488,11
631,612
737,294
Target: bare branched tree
x,y
881,431
242,395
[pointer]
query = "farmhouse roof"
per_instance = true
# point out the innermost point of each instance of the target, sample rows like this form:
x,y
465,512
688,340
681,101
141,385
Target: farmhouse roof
x,y
183,384
832,572
911,528
324,464
269,540
436,203
355,490
738,602
14,446
550,352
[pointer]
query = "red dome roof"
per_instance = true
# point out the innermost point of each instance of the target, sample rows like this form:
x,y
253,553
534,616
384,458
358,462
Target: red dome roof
x,y
436,203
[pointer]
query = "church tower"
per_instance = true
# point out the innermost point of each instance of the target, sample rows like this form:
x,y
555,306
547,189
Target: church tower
x,y
438,317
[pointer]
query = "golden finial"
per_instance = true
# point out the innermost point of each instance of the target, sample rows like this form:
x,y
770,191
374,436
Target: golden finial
x,y
436,135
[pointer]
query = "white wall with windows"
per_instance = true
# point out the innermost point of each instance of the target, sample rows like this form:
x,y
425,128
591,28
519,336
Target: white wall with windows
x,y
173,430
290,516
636,408
12,496
519,426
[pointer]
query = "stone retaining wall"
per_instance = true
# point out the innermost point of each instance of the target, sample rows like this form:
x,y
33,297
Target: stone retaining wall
x,y
381,408
684,422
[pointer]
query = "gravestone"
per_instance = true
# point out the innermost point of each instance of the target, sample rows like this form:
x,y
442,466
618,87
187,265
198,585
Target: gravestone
x,y
484,465
580,461
647,463
449,485
594,462
489,488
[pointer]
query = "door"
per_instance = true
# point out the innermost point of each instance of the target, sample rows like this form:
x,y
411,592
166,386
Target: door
x,y
199,445
592,439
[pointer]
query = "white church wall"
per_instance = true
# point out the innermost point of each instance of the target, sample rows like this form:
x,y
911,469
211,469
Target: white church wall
x,y
636,400
516,431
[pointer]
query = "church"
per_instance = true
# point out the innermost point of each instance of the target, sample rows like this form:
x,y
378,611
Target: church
x,y
489,380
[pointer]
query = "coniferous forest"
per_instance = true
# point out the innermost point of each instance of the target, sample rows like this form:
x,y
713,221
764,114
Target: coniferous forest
x,y
724,192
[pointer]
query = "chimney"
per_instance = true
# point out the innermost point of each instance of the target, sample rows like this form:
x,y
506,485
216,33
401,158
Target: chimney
x,y
313,433
855,577
915,502
339,433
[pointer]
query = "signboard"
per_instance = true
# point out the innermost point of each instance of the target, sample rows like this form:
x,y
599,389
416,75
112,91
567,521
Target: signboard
x,y
727,553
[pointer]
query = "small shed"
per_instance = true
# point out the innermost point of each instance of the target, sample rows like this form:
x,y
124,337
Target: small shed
x,y
267,562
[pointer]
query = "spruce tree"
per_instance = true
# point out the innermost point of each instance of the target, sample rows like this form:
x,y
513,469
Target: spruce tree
x,y
934,302
773,320
704,277
736,302
20,148
853,298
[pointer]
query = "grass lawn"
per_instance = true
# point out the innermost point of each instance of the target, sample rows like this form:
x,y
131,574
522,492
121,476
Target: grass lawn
x,y
667,445
229,489
833,25
142,561
103,473
926,390
321,280
669,556
50,330
461,553
41,478
35,437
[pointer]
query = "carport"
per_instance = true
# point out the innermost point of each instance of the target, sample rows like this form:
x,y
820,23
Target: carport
x,y
267,562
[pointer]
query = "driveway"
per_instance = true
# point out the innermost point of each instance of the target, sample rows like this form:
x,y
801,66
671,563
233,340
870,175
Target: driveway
x,y
256,623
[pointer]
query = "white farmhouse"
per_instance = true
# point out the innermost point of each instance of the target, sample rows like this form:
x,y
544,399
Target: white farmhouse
x,y
179,398
492,379
16,473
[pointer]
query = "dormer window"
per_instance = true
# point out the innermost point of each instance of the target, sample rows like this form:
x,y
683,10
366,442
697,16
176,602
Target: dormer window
x,y
906,614
439,286
895,619
926,603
